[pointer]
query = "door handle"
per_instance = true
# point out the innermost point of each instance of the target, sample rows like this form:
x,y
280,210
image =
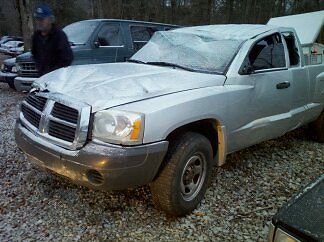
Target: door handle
x,y
283,85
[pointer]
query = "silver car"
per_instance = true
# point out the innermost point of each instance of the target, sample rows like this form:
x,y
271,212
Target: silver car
x,y
185,101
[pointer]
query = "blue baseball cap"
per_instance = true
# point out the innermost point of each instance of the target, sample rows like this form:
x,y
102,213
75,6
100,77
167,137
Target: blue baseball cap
x,y
43,11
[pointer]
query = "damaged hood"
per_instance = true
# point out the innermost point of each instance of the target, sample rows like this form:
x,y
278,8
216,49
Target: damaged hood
x,y
108,85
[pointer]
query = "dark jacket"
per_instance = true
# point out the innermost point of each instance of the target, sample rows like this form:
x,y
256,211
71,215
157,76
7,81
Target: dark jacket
x,y
51,52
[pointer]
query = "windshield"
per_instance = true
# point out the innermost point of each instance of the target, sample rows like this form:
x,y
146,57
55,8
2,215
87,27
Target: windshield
x,y
80,32
202,53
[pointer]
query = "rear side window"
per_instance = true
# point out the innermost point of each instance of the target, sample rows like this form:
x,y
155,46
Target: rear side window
x,y
292,48
141,35
268,53
110,35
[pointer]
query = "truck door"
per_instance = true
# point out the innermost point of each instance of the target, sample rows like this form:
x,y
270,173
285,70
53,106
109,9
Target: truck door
x,y
299,79
109,44
267,111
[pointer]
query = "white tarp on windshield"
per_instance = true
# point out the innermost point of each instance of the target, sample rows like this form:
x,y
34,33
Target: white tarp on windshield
x,y
200,53
307,25
207,49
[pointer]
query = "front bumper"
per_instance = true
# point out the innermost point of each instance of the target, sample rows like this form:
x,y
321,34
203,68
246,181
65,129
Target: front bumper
x,y
7,76
24,83
96,165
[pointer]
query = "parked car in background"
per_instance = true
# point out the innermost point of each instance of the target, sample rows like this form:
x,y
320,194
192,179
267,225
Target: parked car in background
x,y
18,50
302,218
8,72
96,41
181,104
12,48
5,39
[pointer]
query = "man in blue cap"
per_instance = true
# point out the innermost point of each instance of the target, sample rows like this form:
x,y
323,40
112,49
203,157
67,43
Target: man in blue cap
x,y
50,47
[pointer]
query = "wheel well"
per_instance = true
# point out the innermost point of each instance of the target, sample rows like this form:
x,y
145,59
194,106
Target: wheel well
x,y
206,127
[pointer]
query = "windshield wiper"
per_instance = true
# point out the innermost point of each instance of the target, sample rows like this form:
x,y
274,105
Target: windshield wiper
x,y
136,61
162,63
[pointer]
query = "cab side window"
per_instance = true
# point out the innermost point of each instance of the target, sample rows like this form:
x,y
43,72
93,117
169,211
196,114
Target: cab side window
x,y
141,35
110,35
268,53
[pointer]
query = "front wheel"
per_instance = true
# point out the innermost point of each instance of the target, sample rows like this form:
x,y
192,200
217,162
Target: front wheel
x,y
184,179
317,128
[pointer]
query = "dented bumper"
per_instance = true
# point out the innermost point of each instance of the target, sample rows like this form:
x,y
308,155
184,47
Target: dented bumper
x,y
97,165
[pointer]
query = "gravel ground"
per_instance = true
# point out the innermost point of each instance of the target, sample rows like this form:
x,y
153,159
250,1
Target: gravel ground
x,y
244,195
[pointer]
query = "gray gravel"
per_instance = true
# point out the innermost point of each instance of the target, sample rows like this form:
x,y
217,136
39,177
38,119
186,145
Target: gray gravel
x,y
244,195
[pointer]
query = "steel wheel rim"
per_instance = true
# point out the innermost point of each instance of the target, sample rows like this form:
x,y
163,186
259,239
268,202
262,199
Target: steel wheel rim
x,y
193,176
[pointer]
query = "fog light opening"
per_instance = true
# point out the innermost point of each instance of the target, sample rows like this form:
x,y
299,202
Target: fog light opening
x,y
95,177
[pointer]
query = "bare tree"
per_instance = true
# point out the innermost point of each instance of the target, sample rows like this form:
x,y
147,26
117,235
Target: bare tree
x,y
183,12
26,22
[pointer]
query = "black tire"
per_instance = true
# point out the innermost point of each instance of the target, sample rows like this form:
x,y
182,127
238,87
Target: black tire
x,y
11,84
317,128
167,188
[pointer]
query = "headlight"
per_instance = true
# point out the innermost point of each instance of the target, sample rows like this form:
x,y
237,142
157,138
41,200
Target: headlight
x,y
282,236
2,67
118,127
14,69
17,67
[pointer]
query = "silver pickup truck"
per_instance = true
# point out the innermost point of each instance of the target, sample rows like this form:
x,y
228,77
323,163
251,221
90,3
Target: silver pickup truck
x,y
185,101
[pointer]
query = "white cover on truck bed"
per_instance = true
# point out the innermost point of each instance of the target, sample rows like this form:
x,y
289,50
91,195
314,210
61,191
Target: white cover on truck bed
x,y
307,25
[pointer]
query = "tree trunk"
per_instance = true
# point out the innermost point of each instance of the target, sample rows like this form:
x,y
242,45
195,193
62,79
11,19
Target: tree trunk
x,y
26,17
173,10
229,11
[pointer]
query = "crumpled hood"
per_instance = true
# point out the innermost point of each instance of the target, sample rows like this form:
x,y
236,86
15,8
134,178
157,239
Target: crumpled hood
x,y
107,85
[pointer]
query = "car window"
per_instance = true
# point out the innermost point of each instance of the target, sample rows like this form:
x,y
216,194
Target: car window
x,y
141,35
268,53
79,33
110,35
290,39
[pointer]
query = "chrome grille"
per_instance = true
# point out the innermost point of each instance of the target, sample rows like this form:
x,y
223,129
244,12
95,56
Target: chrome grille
x,y
65,113
31,116
37,102
28,69
63,124
61,131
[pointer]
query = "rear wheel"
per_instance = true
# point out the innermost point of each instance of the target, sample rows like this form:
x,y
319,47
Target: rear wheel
x,y
182,183
317,128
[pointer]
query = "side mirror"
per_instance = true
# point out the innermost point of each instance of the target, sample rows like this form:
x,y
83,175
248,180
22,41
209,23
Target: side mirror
x,y
247,69
96,44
